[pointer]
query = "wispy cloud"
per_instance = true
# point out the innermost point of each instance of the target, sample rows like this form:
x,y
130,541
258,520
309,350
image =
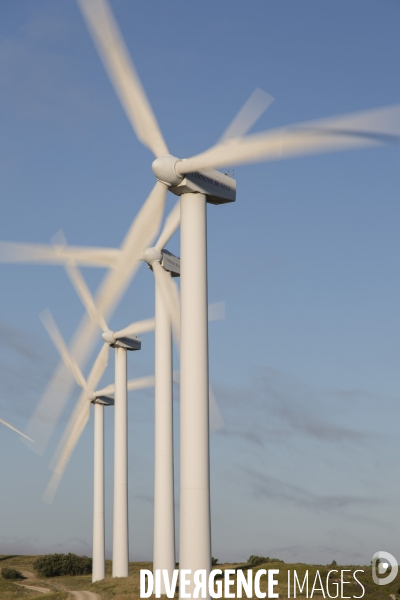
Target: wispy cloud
x,y
268,487
276,406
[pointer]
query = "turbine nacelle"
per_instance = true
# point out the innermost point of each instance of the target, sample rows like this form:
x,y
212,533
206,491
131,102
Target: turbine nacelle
x,y
102,399
218,187
130,342
167,260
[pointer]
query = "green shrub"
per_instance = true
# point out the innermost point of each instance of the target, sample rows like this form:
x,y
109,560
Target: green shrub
x,y
54,565
259,560
8,573
214,561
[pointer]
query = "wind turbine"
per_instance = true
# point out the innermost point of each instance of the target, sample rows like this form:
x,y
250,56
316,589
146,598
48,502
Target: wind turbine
x,y
196,182
100,399
125,262
122,341
164,505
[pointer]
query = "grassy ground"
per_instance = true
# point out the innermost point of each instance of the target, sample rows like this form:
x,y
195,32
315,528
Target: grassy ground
x,y
128,588
12,591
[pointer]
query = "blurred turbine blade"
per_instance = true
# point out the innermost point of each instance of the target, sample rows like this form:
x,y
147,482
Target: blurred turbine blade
x,y
109,390
118,64
140,383
86,297
216,311
15,429
140,236
67,451
96,373
42,254
357,130
99,366
59,240
136,328
248,115
170,294
57,339
170,226
215,418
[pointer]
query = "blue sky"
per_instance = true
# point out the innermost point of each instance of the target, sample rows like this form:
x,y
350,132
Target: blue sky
x,y
306,364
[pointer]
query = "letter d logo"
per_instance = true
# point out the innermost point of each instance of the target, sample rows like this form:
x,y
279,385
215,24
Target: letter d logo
x,y
384,560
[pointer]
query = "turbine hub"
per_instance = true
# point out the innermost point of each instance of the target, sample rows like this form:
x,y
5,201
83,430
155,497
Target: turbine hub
x,y
108,336
164,169
151,255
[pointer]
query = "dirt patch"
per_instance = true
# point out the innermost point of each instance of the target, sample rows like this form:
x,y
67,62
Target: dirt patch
x,y
35,588
29,575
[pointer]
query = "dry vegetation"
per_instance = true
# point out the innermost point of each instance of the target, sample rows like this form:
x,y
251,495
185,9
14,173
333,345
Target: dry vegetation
x,y
128,589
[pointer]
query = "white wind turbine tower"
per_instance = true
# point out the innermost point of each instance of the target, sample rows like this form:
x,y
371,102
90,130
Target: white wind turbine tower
x,y
167,319
164,505
196,182
100,399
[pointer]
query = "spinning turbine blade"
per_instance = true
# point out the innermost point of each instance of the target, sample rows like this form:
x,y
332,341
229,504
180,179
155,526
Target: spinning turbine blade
x,y
215,418
13,252
248,115
139,237
136,328
170,296
357,130
216,311
72,441
86,297
170,226
95,375
140,383
15,429
99,366
74,428
57,339
118,64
